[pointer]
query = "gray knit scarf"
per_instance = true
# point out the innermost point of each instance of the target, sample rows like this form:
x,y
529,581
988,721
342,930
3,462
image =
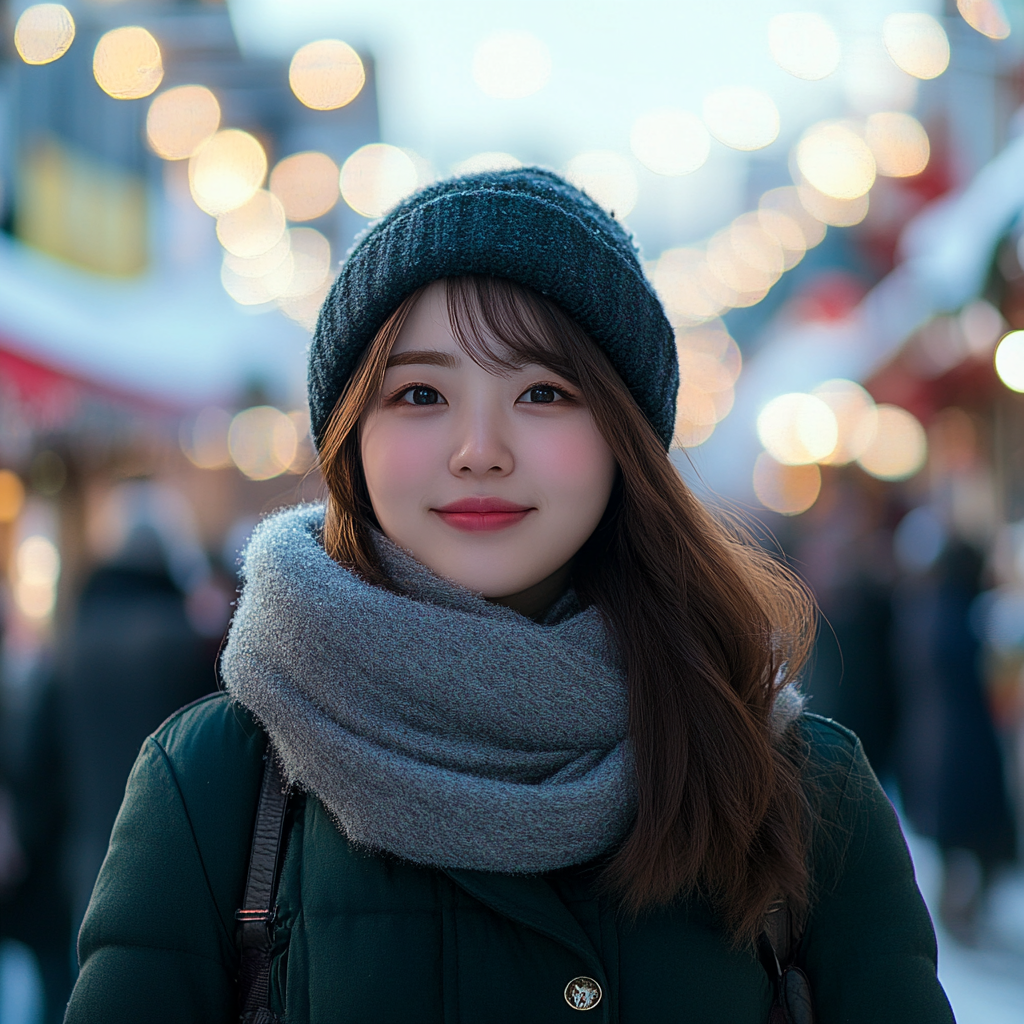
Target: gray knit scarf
x,y
432,724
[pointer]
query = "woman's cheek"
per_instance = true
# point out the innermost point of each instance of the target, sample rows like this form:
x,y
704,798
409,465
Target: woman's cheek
x,y
397,454
571,459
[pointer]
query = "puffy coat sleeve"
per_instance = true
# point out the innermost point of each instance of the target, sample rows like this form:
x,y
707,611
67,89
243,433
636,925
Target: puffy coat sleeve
x,y
869,947
157,943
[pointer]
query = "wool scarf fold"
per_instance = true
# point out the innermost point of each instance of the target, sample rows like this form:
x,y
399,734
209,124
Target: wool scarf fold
x,y
431,723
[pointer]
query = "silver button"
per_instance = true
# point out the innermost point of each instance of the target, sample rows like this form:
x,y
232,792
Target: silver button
x,y
583,993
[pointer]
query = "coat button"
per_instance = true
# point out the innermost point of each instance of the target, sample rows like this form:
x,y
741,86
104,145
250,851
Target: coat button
x,y
583,993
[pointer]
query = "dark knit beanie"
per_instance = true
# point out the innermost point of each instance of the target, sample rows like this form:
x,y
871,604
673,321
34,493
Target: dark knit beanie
x,y
527,225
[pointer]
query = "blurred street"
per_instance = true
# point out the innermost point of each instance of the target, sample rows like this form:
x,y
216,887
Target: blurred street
x,y
829,204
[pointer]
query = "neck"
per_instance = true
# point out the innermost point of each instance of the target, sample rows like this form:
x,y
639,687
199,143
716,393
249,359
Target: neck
x,y
534,601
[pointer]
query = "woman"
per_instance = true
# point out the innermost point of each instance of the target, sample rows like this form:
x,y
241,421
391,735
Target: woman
x,y
532,699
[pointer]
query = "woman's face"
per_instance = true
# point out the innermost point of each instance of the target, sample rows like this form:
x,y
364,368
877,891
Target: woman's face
x,y
492,481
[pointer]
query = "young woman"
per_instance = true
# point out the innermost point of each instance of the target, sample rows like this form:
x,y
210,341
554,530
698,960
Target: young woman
x,y
534,702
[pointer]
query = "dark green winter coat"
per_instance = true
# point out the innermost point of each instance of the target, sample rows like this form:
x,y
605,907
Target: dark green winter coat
x,y
367,939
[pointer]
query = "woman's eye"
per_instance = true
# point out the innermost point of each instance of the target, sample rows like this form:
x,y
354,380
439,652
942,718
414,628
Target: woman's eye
x,y
541,395
422,396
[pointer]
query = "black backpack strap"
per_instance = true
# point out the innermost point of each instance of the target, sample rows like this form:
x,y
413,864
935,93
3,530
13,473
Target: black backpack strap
x,y
256,916
777,947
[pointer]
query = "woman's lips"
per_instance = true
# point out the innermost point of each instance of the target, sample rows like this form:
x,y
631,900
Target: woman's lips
x,y
477,515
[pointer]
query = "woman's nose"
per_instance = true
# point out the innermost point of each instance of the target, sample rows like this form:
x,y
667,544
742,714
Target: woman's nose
x,y
481,445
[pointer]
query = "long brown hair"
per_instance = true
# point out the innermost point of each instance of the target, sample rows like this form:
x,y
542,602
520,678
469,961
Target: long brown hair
x,y
709,625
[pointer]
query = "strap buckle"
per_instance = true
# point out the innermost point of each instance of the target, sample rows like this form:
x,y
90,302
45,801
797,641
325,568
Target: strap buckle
x,y
264,916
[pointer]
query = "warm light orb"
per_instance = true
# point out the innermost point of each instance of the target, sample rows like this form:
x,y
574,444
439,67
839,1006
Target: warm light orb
x,y
797,428
311,262
1009,360
326,74
263,442
856,418
837,213
37,569
898,143
917,44
376,177
511,65
804,44
254,228
44,33
226,171
985,16
481,163
786,489
836,160
686,286
741,118
249,289
899,447
607,178
204,440
785,201
180,120
12,496
306,184
265,263
127,63
670,141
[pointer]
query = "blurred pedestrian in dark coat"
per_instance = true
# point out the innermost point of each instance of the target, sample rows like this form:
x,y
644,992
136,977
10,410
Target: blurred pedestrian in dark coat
x,y
949,765
132,660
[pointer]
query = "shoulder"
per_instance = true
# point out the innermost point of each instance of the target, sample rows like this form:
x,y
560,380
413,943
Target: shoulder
x,y
213,751
833,763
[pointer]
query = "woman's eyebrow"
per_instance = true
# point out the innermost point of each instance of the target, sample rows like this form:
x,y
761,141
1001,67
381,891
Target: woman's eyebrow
x,y
424,356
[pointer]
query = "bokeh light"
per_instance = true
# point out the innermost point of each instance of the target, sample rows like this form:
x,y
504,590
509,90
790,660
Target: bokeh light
x,y
226,171
856,419
985,16
607,178
253,228
305,309
249,289
480,163
690,292
377,177
306,184
127,63
311,262
797,428
326,74
1009,360
786,489
898,143
37,566
899,447
804,44
839,213
836,160
204,440
263,442
981,325
670,141
786,201
12,495
511,65
741,117
44,33
180,120
264,263
917,44
709,363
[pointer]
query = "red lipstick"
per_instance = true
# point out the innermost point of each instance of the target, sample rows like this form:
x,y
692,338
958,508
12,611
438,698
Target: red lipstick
x,y
482,514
